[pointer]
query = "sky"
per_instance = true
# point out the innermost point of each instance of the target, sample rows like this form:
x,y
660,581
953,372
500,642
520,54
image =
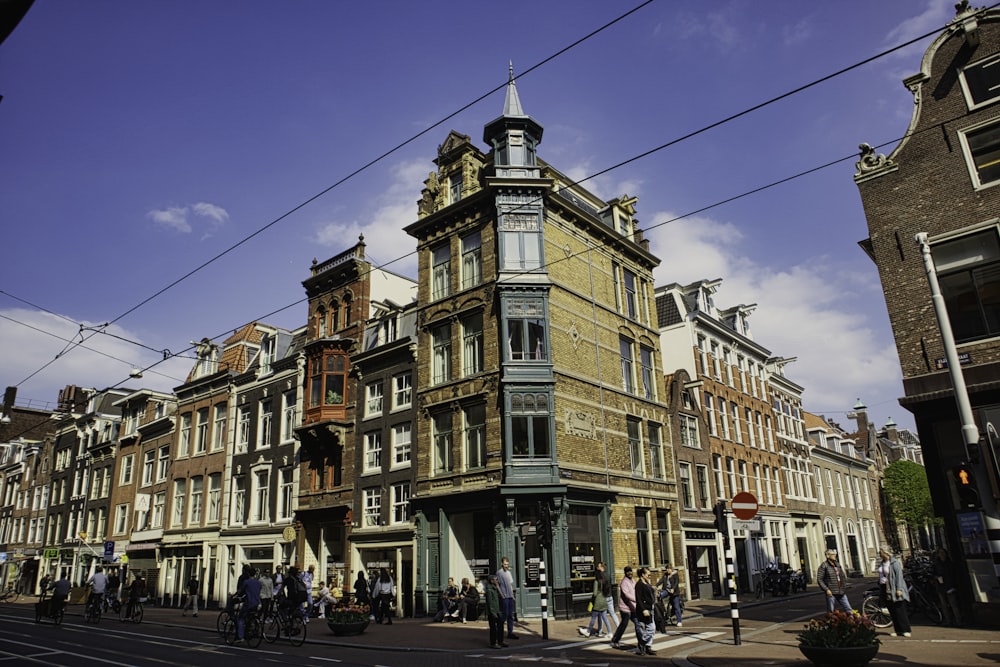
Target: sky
x,y
170,170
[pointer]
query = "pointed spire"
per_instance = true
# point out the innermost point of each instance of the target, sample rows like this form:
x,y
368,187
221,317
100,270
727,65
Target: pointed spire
x,y
512,104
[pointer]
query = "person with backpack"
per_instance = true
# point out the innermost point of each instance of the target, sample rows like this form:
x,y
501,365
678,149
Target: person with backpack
x,y
296,594
193,588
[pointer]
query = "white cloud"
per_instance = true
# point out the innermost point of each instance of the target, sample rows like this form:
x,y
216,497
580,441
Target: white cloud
x,y
47,360
174,218
177,217
815,311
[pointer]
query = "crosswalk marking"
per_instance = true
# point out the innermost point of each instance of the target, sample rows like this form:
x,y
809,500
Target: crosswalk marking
x,y
660,642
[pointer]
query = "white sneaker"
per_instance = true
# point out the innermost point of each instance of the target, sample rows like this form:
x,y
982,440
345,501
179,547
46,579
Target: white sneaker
x,y
907,634
583,632
680,625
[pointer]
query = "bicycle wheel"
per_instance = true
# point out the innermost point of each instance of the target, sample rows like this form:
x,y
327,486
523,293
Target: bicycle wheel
x,y
873,609
296,630
271,628
123,614
220,623
137,613
252,632
921,603
229,632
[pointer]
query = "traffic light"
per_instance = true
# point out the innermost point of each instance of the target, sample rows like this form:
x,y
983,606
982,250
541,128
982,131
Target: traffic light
x,y
965,485
721,524
543,528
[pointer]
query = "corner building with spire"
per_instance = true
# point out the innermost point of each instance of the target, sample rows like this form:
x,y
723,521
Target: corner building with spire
x,y
539,380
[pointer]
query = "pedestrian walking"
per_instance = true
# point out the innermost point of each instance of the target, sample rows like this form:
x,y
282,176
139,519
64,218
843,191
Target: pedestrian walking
x,y
193,588
626,605
833,582
645,623
894,592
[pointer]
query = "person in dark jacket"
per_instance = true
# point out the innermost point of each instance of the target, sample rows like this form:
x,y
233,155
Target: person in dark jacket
x,y
645,623
833,582
468,601
361,589
495,613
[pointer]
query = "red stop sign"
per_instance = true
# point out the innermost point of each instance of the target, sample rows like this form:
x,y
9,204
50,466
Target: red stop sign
x,y
744,506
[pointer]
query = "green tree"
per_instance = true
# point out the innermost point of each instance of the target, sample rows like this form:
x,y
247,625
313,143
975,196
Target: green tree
x,y
909,496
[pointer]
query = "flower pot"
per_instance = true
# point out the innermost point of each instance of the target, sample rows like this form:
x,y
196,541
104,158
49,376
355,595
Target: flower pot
x,y
839,656
347,629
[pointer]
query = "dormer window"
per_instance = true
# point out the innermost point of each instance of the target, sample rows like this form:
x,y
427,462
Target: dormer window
x,y
454,188
981,82
267,354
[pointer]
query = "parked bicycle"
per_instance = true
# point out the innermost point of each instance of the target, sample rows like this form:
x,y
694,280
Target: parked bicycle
x,y
10,594
282,621
131,612
871,606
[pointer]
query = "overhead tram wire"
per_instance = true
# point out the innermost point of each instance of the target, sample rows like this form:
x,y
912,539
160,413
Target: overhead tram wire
x,y
351,175
583,180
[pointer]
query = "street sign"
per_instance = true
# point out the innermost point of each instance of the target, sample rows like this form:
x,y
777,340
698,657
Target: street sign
x,y
753,525
109,550
744,506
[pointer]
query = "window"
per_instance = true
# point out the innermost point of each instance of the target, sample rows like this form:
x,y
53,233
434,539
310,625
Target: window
x,y
268,348
442,442
731,473
400,502
178,515
128,462
286,493
373,451
703,355
454,188
704,494
441,354
472,260
238,510
526,338
633,427
648,377
687,492
327,380
159,509
214,496
440,272
720,485
197,500
981,81
713,427
628,365
689,431
373,399
201,433
163,464
402,438
219,427
629,282
261,512
402,388
184,444
373,507
287,416
655,452
472,344
969,274
121,519
475,435
982,149
724,418
642,536
520,239
242,428
529,425
716,363
264,424
737,429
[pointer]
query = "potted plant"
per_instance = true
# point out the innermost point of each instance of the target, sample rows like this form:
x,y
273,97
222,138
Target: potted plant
x,y
839,639
348,619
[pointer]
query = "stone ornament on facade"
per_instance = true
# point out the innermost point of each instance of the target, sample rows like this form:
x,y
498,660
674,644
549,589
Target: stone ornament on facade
x,y
871,163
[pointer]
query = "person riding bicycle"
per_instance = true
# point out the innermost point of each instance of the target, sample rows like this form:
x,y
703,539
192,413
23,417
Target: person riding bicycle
x,y
60,591
670,589
137,591
250,591
98,583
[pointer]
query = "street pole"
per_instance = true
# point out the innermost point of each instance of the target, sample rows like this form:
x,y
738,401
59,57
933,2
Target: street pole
x,y
544,589
970,432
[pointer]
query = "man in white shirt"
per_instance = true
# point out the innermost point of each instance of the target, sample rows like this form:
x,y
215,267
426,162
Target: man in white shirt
x,y
98,583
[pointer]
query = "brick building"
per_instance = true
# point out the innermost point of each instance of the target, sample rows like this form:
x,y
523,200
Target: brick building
x,y
939,181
